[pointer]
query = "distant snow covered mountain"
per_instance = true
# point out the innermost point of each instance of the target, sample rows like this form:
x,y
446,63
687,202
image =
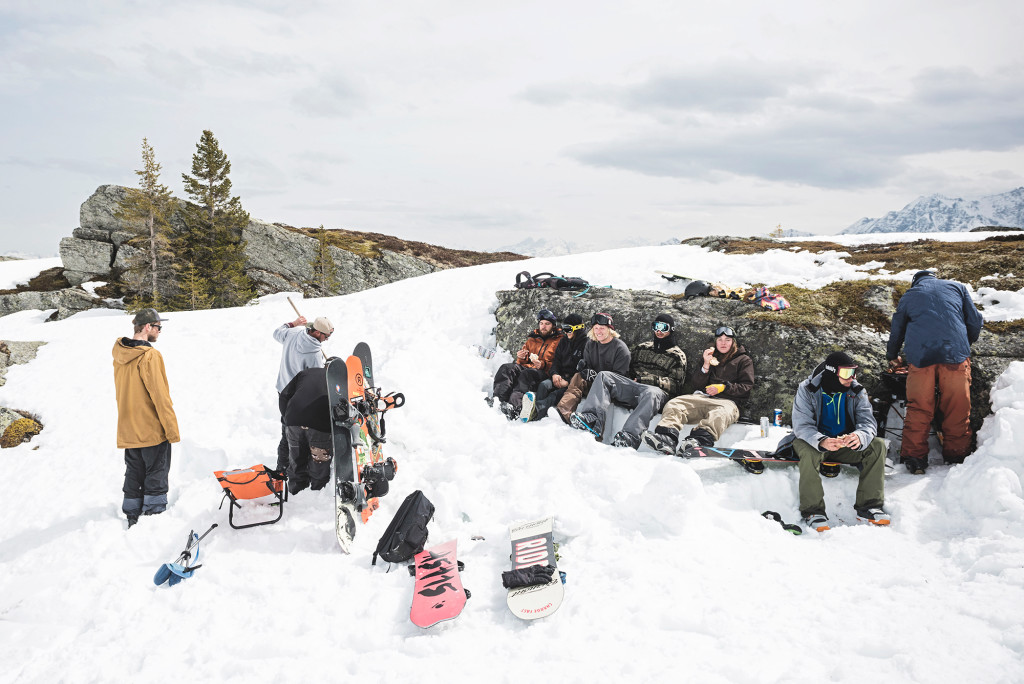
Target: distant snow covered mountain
x,y
940,214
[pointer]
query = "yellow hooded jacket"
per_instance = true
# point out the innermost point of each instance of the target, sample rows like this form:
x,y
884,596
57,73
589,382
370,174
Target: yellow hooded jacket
x,y
145,413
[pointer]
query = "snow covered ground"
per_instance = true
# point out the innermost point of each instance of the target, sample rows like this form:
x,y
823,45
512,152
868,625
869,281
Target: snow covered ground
x,y
672,573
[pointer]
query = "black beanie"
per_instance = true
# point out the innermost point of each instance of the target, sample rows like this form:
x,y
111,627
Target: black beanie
x,y
573,319
663,343
836,360
666,318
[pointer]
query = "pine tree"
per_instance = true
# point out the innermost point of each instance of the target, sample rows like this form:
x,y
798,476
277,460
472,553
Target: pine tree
x,y
326,276
212,239
147,211
194,290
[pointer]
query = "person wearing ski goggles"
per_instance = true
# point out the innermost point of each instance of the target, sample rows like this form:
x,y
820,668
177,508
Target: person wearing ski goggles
x,y
833,421
657,372
723,380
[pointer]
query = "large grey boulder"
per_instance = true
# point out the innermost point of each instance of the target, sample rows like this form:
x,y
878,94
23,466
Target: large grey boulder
x,y
85,259
13,352
66,302
783,355
97,218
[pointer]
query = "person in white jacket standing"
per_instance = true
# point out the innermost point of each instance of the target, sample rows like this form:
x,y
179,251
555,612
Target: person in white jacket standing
x,y
302,348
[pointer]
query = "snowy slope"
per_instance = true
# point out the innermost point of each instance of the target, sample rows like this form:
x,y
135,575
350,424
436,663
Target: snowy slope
x,y
672,573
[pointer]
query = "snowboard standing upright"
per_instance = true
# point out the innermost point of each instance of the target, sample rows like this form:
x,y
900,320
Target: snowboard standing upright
x,y
438,594
532,544
349,498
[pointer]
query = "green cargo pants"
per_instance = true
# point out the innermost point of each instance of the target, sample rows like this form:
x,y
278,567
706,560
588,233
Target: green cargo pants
x,y
870,489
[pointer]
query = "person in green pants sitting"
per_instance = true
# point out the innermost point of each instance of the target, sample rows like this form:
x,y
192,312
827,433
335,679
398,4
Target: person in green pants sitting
x,y
832,420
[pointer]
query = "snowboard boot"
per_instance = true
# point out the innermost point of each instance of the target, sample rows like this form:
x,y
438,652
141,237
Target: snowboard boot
x,y
526,414
586,422
703,437
817,522
829,469
663,440
510,411
874,515
916,466
686,444
755,466
625,440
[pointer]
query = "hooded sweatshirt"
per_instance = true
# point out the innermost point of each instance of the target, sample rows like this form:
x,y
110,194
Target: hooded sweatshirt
x,y
145,413
301,351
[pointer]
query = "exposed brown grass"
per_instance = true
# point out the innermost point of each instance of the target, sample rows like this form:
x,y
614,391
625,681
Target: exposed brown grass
x,y
49,280
372,245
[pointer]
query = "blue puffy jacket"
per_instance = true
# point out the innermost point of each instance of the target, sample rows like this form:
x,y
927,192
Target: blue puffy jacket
x,y
939,321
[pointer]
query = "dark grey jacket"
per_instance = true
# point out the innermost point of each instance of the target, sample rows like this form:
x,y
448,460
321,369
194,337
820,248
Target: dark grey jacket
x,y
807,411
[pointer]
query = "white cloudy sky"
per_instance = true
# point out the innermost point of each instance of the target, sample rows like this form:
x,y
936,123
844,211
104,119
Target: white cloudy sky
x,y
478,124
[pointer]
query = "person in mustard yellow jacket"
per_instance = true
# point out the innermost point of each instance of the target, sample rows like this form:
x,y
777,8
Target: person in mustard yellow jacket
x,y
146,424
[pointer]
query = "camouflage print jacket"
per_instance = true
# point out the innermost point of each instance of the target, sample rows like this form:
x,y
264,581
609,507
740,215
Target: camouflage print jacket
x,y
665,370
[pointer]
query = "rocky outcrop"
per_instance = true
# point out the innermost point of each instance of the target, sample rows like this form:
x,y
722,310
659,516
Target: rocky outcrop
x,y
13,352
783,355
66,302
277,259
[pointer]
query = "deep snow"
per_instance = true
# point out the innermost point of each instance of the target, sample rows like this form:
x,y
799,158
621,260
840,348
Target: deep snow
x,y
672,573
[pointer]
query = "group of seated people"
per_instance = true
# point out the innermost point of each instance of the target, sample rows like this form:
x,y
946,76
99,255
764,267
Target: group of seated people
x,y
581,373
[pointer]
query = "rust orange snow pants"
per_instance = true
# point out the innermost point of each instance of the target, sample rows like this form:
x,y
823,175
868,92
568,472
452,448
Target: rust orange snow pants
x,y
953,381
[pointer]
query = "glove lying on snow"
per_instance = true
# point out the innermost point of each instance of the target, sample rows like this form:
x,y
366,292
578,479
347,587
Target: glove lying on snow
x,y
528,576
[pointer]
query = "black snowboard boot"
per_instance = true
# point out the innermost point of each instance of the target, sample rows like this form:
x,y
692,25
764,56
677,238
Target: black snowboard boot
x,y
703,437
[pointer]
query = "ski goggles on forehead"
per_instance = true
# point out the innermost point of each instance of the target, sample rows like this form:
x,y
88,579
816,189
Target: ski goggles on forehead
x,y
725,330
569,328
846,372
601,319
660,326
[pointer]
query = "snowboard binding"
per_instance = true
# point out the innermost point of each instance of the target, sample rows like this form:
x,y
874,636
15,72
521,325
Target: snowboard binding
x,y
375,477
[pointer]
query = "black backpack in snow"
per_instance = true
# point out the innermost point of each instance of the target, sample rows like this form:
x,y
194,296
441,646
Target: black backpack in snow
x,y
524,281
407,533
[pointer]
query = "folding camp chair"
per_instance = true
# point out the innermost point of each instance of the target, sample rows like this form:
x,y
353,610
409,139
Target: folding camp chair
x,y
254,482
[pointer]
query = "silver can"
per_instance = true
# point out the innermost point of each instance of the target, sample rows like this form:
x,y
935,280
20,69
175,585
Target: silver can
x,y
764,426
777,417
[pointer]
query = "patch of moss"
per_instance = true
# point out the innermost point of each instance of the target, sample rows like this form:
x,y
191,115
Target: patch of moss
x,y
1003,327
49,280
372,246
21,430
843,300
966,262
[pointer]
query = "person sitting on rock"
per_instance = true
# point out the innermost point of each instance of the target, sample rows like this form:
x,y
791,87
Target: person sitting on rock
x,y
604,351
658,371
725,379
832,418
567,357
531,367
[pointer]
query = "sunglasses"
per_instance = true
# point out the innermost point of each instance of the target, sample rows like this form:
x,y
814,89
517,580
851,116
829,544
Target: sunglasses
x,y
601,319
725,330
571,328
846,372
156,325
660,326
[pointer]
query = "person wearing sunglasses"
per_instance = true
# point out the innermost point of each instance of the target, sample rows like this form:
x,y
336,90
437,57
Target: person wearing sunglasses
x,y
832,417
302,348
657,371
723,381
603,351
938,321
567,357
531,367
146,422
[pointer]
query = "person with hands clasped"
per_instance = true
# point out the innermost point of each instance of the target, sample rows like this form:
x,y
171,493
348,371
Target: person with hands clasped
x,y
531,367
832,417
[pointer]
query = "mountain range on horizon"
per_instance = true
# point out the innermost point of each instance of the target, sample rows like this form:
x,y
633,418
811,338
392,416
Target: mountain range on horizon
x,y
940,214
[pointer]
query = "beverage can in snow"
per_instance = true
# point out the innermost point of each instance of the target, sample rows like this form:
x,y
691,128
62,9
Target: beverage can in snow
x,y
764,426
777,417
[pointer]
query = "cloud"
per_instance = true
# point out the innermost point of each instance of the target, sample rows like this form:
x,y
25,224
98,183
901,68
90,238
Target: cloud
x,y
333,95
791,130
